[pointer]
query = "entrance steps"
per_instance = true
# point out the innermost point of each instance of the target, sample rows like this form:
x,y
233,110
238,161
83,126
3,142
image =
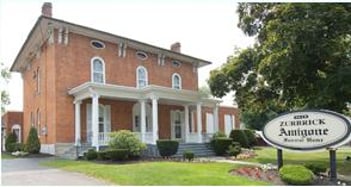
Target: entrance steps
x,y
199,149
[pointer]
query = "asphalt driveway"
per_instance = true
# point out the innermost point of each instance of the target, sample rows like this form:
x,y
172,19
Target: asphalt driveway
x,y
28,171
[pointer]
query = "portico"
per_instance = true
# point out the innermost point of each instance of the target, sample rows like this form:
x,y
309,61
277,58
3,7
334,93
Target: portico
x,y
185,122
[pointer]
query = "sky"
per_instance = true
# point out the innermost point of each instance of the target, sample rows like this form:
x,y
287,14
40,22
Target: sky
x,y
206,29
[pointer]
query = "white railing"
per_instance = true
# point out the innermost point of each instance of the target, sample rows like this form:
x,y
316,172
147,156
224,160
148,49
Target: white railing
x,y
206,137
148,137
192,137
104,138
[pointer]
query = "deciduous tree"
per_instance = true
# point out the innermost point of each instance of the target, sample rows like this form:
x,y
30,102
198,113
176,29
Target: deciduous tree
x,y
301,60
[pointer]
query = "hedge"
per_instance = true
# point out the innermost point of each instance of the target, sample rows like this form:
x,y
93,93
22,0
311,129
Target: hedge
x,y
91,154
250,134
220,145
102,155
316,168
117,154
238,135
167,147
296,175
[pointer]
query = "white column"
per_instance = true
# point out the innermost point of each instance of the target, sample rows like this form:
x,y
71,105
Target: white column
x,y
215,118
199,122
186,111
142,120
154,119
77,122
95,121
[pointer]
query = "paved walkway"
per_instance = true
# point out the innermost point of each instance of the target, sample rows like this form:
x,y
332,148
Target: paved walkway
x,y
28,171
223,159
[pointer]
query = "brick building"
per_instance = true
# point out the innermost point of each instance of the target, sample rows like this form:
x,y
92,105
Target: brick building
x,y
81,83
12,121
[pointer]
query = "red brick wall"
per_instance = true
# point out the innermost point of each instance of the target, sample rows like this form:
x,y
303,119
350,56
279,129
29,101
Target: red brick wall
x,y
63,67
11,118
44,101
72,63
222,111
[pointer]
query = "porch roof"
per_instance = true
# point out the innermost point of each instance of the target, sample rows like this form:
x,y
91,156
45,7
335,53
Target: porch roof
x,y
87,89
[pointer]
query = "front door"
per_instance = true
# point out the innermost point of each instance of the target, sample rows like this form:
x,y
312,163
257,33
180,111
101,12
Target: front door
x,y
177,125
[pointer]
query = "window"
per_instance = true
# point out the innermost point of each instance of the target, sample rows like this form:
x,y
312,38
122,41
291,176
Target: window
x,y
38,122
141,77
122,48
97,70
16,129
32,120
137,117
229,123
176,81
141,55
176,63
97,44
38,80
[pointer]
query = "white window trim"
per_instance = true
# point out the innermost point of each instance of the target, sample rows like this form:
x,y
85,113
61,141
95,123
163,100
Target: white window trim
x,y
137,76
138,53
176,63
180,81
16,126
102,43
92,69
137,112
38,80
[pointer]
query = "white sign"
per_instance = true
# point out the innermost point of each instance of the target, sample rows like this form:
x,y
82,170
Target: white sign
x,y
307,130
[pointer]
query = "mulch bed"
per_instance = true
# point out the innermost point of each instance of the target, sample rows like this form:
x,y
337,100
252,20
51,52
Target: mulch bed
x,y
272,176
257,173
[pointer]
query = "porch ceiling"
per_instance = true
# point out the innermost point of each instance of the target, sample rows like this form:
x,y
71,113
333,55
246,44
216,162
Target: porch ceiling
x,y
165,95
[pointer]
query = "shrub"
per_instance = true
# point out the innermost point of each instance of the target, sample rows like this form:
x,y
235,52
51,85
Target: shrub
x,y
117,154
102,155
91,154
251,137
125,139
296,175
221,145
238,135
219,134
216,135
33,142
167,147
234,150
18,146
188,155
11,139
316,168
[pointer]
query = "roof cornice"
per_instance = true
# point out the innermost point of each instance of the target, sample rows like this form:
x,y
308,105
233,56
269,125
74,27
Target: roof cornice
x,y
102,35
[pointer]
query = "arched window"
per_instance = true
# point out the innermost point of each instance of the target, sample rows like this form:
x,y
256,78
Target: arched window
x,y
141,77
176,81
97,70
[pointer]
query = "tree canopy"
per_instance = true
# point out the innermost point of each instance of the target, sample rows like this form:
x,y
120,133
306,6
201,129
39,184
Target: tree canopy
x,y
301,60
4,78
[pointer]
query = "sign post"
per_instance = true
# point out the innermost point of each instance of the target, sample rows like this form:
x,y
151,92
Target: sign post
x,y
332,158
308,130
279,158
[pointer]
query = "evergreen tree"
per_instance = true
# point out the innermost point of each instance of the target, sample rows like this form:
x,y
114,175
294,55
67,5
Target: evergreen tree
x,y
33,142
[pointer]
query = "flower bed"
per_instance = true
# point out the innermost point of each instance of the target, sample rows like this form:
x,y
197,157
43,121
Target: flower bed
x,y
257,173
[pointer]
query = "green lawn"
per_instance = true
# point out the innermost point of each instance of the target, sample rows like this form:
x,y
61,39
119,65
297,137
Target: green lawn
x,y
158,173
6,156
269,155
